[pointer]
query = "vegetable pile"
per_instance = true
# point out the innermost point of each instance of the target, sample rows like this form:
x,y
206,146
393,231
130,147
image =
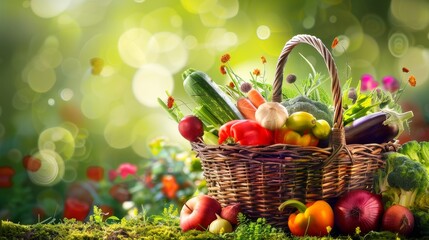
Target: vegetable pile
x,y
405,182
241,113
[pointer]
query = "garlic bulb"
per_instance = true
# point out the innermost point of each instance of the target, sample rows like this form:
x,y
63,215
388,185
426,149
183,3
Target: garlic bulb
x,y
271,115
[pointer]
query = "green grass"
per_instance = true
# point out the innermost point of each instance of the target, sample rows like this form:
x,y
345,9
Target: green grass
x,y
141,226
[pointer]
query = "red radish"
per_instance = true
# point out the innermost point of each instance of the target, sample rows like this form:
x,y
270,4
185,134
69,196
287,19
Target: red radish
x,y
191,128
398,219
358,208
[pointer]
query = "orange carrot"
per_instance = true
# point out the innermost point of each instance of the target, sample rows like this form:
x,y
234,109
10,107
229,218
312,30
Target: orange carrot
x,y
255,97
246,108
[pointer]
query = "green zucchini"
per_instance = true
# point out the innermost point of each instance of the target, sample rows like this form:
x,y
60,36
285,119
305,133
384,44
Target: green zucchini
x,y
205,92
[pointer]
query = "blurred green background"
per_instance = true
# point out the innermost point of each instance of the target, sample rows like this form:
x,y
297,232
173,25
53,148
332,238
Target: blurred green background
x,y
80,79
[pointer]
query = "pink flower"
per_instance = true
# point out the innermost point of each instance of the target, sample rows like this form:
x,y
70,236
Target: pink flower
x,y
126,169
390,84
368,83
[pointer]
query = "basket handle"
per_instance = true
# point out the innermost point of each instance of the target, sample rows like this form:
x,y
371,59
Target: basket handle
x,y
337,137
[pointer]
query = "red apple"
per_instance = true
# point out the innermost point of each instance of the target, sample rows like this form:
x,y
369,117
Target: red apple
x,y
198,212
230,213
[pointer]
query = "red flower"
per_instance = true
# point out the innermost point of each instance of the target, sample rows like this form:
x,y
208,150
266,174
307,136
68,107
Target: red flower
x,y
335,42
170,102
225,58
368,82
222,69
95,173
405,70
126,169
169,186
231,85
412,81
390,84
256,72
6,174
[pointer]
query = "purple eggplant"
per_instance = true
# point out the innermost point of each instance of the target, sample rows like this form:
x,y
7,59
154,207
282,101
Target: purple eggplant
x,y
378,127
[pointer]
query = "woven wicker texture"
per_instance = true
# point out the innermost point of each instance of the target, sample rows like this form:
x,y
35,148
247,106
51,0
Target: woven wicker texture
x,y
260,178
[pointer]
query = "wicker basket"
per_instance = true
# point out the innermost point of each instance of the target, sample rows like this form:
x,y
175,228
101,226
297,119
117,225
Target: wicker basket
x,y
262,177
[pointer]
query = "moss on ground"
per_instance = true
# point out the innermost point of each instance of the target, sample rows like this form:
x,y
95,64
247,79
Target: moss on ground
x,y
159,227
131,230
89,231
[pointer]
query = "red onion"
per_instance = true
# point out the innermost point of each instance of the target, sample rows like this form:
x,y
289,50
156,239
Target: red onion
x,y
398,219
358,208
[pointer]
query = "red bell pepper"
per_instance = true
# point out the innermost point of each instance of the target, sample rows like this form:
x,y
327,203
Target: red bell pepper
x,y
244,132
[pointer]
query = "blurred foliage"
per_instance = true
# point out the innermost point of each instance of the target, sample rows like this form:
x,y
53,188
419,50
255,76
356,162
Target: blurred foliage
x,y
80,80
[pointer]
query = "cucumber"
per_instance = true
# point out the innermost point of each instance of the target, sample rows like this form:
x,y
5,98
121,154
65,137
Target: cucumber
x,y
201,88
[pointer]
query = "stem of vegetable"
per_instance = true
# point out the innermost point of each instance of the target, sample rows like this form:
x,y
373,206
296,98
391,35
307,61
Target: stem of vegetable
x,y
298,205
209,138
210,121
293,203
230,72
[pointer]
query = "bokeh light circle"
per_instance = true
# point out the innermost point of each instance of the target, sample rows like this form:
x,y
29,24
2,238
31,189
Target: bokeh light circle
x,y
41,80
190,42
413,14
263,32
70,174
172,53
51,102
308,22
398,44
51,170
220,39
167,19
374,25
49,8
59,140
198,6
136,48
150,82
66,94
369,50
226,9
118,136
